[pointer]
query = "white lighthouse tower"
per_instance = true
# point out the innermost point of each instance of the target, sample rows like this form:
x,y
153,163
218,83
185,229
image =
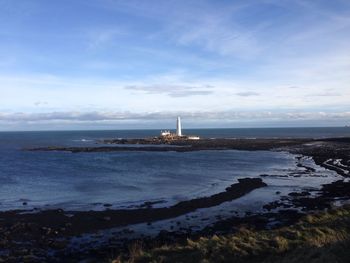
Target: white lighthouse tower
x,y
178,127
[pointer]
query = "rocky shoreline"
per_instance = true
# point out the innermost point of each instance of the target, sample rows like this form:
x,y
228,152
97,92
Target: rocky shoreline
x,y
157,145
79,222
51,229
43,236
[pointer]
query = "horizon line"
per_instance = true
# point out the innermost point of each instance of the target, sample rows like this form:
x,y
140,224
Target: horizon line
x,y
158,129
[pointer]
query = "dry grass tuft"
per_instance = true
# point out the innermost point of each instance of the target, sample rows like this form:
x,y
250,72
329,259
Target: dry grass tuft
x,y
322,237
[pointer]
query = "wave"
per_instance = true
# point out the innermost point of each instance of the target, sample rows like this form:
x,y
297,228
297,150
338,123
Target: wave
x,y
83,140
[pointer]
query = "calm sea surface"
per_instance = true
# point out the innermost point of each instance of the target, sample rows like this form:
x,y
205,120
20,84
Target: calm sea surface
x,y
123,179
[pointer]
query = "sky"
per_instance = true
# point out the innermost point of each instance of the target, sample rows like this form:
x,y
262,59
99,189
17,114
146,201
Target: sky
x,y
110,64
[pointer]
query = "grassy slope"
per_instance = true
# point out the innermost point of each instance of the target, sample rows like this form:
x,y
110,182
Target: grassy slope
x,y
322,237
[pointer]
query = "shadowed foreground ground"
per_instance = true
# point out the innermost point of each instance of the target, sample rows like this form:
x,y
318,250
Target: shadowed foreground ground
x,y
321,237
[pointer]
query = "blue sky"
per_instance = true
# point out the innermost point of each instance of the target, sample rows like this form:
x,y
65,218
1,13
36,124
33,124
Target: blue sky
x,y
104,64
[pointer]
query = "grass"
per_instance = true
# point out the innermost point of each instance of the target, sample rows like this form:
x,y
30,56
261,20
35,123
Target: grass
x,y
322,237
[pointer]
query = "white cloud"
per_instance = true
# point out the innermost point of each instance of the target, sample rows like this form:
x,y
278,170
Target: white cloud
x,y
214,35
40,103
95,116
173,90
177,90
99,37
216,31
247,94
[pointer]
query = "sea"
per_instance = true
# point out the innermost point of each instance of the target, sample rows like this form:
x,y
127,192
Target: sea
x,y
96,181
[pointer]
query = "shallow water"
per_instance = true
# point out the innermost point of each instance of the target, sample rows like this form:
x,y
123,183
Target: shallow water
x,y
281,182
84,181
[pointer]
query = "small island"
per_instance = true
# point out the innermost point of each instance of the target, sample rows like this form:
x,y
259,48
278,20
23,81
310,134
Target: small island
x,y
168,136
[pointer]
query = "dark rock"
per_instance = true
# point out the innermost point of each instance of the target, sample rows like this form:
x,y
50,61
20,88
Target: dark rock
x,y
57,244
296,194
31,259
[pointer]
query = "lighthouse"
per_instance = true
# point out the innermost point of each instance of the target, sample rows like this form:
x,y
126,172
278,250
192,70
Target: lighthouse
x,y
167,135
178,127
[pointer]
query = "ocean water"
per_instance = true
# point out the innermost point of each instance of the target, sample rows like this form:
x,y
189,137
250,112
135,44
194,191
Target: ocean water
x,y
84,181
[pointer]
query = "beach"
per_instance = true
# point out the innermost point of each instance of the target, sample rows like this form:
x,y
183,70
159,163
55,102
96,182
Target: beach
x,y
85,233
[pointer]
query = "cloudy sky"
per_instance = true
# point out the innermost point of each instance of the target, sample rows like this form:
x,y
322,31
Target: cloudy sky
x,y
104,64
